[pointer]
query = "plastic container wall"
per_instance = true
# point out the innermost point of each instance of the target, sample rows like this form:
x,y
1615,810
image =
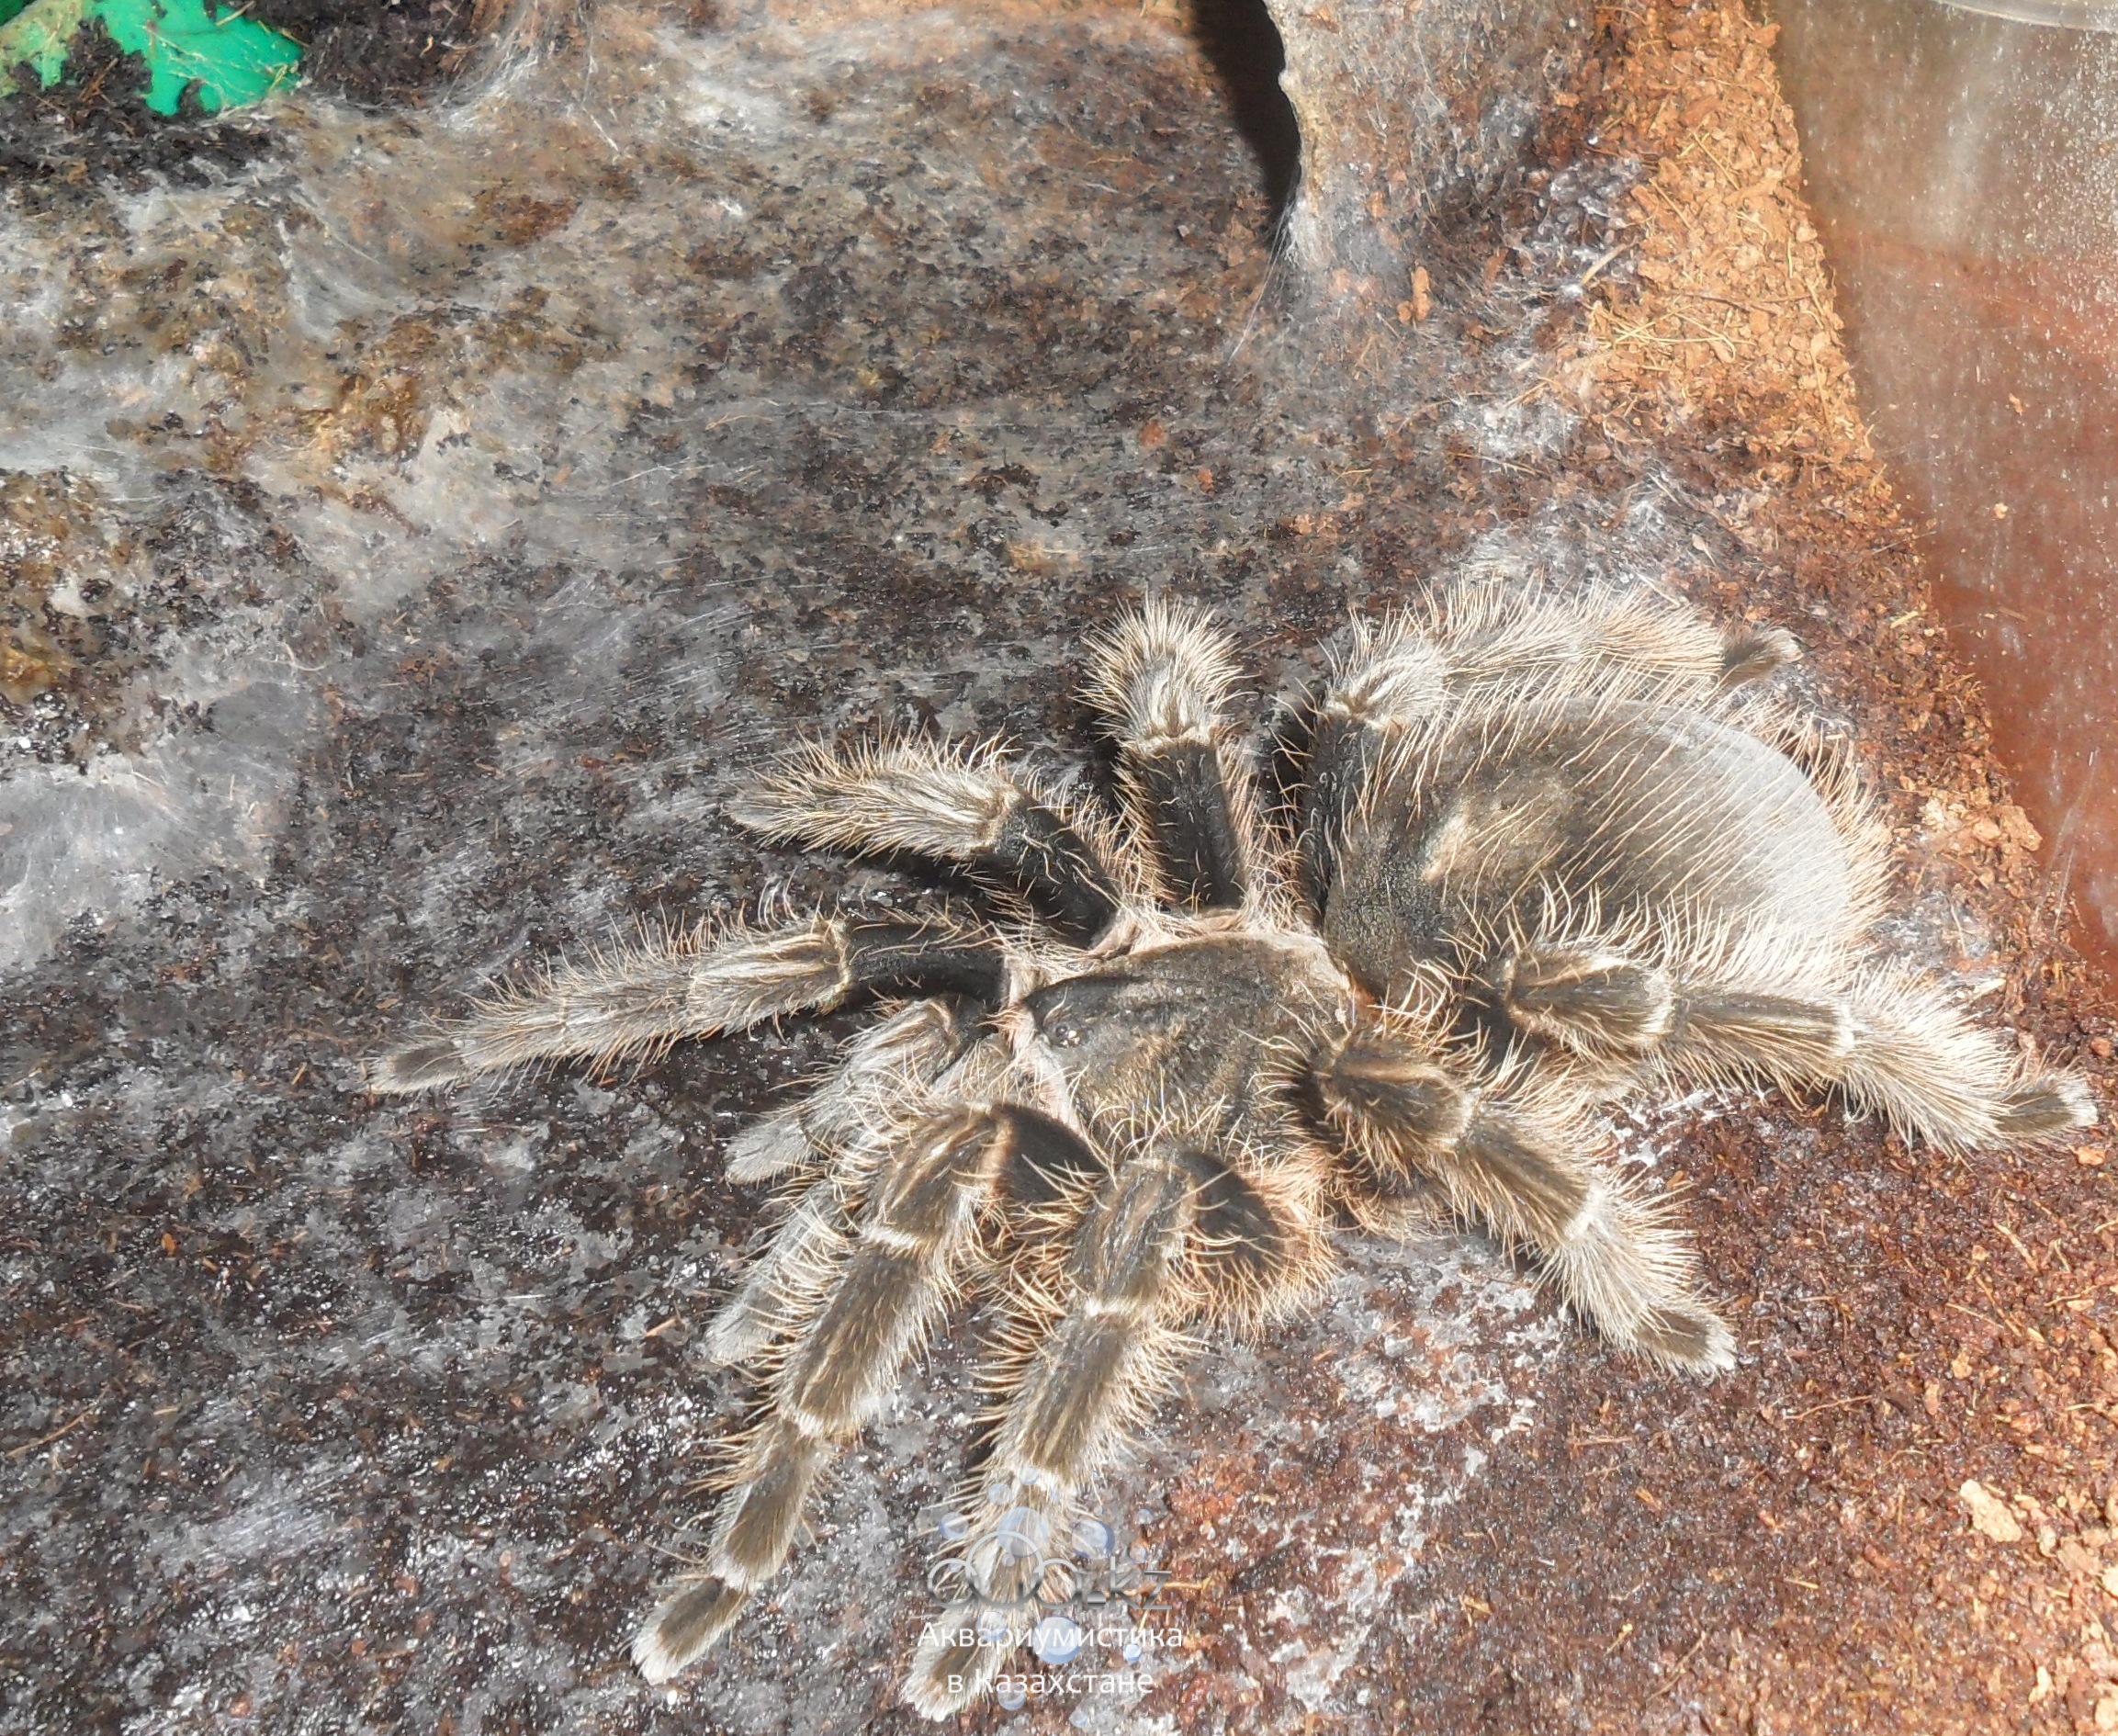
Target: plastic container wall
x,y
1964,170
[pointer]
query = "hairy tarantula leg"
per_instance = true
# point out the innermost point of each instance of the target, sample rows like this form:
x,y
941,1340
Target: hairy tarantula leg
x,y
944,800
1044,1159
916,1045
1788,1039
1600,642
1750,654
919,1224
913,1045
1503,1157
762,1308
1934,1074
1081,1388
1258,1232
1047,1161
698,986
1160,677
1891,1045
1346,741
1587,998
910,1049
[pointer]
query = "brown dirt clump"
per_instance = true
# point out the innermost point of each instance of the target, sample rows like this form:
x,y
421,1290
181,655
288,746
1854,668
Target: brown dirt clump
x,y
1729,308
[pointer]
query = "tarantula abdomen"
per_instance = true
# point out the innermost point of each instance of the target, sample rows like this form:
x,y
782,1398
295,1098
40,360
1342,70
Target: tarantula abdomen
x,y
1504,835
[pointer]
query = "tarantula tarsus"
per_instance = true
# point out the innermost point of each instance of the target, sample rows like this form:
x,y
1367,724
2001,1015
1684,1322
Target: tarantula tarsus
x,y
1537,854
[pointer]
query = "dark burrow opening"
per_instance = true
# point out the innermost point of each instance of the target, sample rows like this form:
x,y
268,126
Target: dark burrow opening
x,y
1243,46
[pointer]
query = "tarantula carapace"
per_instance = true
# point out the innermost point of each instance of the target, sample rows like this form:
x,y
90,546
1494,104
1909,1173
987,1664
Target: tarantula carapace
x,y
1535,854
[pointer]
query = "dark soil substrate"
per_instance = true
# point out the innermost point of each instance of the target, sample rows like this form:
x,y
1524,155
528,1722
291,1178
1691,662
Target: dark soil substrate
x,y
93,122
375,50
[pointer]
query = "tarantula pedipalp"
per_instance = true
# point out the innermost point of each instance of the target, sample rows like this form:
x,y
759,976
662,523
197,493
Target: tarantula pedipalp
x,y
1544,853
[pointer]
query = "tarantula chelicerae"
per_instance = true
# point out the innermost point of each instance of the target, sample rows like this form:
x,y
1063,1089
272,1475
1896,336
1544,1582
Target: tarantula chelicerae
x,y
1541,854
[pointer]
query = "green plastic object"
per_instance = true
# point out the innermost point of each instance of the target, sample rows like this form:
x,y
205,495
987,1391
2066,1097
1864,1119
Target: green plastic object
x,y
230,60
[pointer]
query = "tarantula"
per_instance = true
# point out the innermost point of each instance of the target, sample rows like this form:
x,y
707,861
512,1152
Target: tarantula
x,y
1531,856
